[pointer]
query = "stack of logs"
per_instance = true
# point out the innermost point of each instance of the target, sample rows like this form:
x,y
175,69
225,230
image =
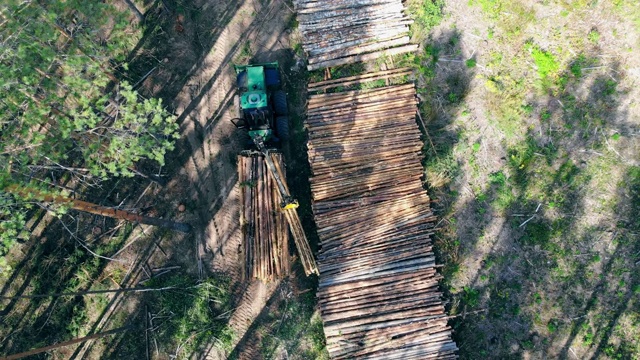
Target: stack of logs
x,y
378,289
265,235
340,32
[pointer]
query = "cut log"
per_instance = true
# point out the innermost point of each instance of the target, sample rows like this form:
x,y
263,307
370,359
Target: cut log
x,y
363,57
346,31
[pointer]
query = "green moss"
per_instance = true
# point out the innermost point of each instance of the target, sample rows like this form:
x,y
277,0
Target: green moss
x,y
546,63
498,178
512,16
593,36
300,330
441,170
609,87
471,297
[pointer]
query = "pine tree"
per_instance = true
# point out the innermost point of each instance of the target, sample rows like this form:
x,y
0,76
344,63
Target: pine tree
x,y
63,105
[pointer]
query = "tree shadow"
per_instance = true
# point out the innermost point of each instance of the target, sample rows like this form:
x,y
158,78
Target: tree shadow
x,y
443,81
614,296
549,276
56,265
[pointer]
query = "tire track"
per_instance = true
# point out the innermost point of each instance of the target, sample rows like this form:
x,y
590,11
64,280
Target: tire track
x,y
207,103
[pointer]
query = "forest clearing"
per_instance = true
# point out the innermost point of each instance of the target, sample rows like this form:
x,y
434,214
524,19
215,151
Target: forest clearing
x,y
515,185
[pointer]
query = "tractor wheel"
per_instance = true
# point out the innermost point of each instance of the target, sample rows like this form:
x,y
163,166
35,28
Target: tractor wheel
x,y
282,125
272,77
280,103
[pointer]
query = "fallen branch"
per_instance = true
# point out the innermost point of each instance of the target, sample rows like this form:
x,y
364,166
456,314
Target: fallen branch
x,y
89,292
532,217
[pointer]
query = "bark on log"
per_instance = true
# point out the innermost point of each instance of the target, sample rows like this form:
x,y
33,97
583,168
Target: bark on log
x,y
346,31
66,343
134,10
363,57
95,208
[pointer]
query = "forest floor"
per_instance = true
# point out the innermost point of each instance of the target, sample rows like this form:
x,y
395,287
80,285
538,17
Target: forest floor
x,y
534,158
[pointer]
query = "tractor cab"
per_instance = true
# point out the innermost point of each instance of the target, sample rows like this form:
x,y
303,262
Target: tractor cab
x,y
253,102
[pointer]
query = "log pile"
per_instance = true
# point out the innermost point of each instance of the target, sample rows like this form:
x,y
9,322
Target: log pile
x,y
265,236
378,289
340,32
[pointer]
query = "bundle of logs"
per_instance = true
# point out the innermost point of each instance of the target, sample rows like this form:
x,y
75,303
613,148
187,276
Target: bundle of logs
x,y
265,235
340,32
378,289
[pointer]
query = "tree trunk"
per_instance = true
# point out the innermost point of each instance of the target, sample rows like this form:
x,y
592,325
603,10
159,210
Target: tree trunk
x,y
134,9
65,343
92,208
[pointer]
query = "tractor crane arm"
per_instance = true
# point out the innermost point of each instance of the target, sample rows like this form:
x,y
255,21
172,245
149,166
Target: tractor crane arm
x,y
288,202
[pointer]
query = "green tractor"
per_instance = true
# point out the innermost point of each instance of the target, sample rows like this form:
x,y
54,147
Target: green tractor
x,y
262,104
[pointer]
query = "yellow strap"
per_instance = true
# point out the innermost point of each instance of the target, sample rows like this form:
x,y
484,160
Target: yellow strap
x,y
293,205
